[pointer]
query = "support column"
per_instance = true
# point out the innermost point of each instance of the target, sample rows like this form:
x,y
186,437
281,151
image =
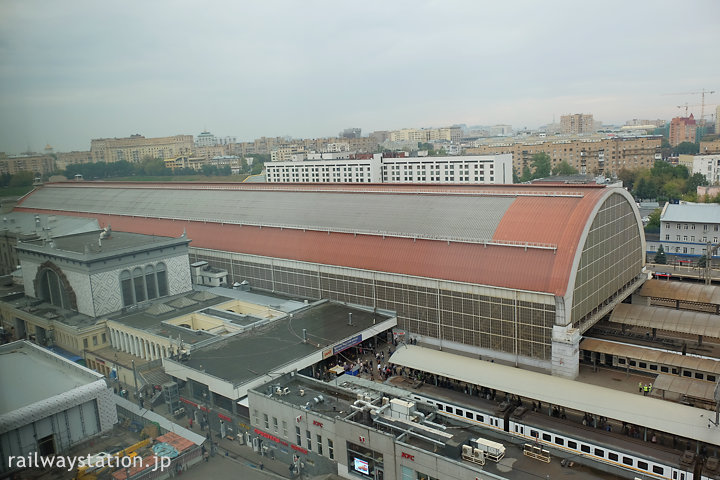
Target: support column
x,y
566,351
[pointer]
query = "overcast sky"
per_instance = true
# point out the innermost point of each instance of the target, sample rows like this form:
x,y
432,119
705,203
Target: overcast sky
x,y
74,70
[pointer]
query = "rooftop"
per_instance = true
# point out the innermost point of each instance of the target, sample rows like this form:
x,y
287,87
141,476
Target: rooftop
x,y
519,227
50,375
242,358
692,213
90,246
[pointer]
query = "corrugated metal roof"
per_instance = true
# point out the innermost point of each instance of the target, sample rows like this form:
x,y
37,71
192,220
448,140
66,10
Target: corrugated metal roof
x,y
423,230
685,386
653,413
691,292
669,319
429,216
651,355
692,213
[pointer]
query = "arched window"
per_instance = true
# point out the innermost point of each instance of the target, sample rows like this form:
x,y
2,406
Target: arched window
x,y
150,282
139,285
161,274
127,288
143,284
50,289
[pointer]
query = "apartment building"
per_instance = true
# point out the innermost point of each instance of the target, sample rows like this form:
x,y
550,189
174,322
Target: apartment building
x,y
72,158
451,134
603,155
682,129
325,171
495,169
708,166
577,123
38,164
136,147
708,147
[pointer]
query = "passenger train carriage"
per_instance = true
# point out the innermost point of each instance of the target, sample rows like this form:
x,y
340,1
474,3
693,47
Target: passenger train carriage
x,y
641,458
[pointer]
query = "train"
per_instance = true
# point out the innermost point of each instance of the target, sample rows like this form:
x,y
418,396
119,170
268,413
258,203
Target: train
x,y
652,463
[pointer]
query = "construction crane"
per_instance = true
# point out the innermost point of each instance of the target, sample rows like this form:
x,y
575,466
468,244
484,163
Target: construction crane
x,y
686,106
702,93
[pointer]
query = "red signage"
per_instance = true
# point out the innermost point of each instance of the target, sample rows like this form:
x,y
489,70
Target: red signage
x,y
227,419
317,424
408,456
184,400
299,449
271,437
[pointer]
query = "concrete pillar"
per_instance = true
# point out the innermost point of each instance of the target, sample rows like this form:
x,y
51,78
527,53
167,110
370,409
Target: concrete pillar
x,y
566,351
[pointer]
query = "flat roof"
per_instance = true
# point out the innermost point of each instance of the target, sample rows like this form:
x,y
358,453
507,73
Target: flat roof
x,y
245,357
653,413
55,225
41,373
88,246
669,319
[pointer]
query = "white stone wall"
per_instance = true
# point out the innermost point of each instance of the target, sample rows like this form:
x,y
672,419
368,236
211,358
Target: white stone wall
x,y
106,294
29,271
566,351
178,272
80,284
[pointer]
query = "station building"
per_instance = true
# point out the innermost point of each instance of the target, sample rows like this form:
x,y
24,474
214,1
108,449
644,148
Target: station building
x,y
60,405
510,272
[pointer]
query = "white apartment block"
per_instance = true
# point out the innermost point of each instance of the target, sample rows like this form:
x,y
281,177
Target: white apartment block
x,y
496,169
459,169
708,166
325,171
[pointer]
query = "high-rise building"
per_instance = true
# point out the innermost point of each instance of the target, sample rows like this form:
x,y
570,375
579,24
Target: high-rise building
x,y
577,123
682,129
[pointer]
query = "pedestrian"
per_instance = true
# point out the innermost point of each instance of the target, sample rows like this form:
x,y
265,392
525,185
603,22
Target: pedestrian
x,y
262,465
640,389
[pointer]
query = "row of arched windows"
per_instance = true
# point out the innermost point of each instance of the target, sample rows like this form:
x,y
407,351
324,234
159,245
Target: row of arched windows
x,y
142,284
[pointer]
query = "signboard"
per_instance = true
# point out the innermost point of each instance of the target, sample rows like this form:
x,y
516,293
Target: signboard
x,y
361,466
327,353
342,346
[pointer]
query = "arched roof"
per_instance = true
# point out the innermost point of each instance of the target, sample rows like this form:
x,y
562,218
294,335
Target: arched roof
x,y
513,236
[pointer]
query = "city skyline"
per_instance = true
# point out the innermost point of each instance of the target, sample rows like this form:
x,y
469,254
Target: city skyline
x,y
73,72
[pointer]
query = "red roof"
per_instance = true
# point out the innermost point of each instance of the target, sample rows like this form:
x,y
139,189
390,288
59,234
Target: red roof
x,y
534,219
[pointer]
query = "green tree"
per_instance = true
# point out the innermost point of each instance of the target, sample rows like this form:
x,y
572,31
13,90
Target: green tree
x,y
697,180
687,148
653,224
154,167
702,261
526,174
660,256
564,168
22,179
541,165
627,177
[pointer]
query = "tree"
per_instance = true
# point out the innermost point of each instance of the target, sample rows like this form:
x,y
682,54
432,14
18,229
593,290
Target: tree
x,y
687,148
660,256
526,174
22,179
564,168
702,261
697,180
653,224
541,165
627,177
